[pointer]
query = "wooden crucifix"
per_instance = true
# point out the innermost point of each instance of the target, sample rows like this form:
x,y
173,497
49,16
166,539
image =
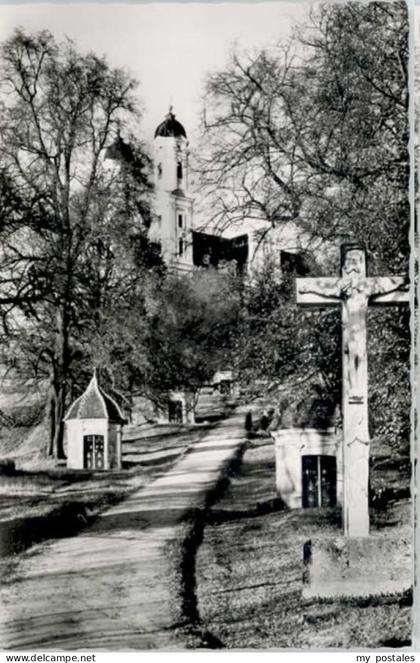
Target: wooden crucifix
x,y
354,291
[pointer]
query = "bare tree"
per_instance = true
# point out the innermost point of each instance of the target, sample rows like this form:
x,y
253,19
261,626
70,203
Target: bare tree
x,y
70,208
316,132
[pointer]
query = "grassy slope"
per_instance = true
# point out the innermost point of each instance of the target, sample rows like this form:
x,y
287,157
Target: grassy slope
x,y
249,572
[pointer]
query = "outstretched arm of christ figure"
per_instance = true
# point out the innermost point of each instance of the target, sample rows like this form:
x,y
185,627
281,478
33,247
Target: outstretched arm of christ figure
x,y
318,291
388,289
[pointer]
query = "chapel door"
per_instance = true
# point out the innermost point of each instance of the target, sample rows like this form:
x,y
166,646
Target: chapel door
x,y
328,472
319,481
93,448
310,483
99,452
175,412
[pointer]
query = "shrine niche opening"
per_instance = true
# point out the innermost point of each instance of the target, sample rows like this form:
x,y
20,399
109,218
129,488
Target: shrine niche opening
x,y
175,414
93,452
319,481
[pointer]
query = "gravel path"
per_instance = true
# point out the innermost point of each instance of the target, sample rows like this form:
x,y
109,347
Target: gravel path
x,y
110,588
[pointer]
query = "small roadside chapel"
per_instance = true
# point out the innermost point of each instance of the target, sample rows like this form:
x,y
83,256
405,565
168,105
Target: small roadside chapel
x,y
93,430
179,408
309,467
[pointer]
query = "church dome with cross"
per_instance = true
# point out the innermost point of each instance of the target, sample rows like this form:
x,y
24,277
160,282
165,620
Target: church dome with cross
x,y
170,127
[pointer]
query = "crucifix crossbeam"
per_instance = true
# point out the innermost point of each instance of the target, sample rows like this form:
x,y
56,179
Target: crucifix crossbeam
x,y
354,291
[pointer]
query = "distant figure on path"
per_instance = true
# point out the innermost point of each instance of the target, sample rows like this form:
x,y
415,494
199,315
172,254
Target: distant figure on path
x,y
248,422
264,421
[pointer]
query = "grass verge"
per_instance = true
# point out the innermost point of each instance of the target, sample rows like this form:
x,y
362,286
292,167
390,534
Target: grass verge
x,y
249,572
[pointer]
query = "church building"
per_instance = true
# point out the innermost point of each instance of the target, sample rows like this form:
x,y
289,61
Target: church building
x,y
173,221
187,242
173,227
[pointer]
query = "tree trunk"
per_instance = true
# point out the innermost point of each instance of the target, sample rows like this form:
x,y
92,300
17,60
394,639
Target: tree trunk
x,y
50,417
58,387
58,439
130,398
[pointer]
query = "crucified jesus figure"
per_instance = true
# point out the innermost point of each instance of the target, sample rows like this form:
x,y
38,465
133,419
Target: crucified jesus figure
x,y
354,291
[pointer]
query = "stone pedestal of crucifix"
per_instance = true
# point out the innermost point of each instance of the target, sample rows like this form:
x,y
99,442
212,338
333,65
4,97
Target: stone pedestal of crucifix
x,y
354,291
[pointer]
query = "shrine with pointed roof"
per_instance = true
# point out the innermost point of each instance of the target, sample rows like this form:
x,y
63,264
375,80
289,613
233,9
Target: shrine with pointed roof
x,y
93,430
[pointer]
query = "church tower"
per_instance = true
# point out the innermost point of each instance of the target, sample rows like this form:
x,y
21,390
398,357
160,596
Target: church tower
x,y
172,225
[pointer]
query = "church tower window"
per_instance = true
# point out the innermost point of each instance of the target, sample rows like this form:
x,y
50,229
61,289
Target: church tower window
x,y
181,247
179,170
180,221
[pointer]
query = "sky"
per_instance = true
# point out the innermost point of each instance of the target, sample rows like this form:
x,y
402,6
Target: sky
x,y
168,47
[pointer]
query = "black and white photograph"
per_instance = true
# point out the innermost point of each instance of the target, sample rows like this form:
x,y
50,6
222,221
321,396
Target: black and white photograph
x,y
207,326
